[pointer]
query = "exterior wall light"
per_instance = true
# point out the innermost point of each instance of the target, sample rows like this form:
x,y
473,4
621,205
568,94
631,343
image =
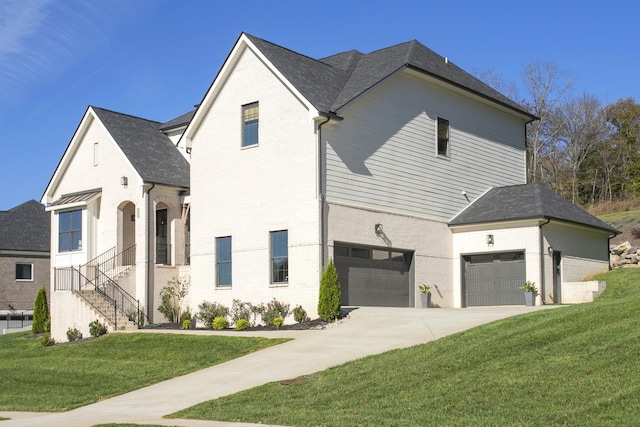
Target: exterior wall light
x,y
490,239
378,229
124,181
550,251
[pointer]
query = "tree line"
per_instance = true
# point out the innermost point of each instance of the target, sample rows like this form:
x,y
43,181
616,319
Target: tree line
x,y
585,151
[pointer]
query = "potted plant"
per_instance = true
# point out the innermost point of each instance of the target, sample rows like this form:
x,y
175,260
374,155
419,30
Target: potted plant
x,y
530,291
425,295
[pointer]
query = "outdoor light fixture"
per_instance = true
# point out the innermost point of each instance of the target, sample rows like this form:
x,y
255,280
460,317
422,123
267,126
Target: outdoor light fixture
x,y
490,239
550,251
378,229
124,181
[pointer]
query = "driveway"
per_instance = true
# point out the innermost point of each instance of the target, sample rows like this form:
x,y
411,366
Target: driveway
x,y
366,331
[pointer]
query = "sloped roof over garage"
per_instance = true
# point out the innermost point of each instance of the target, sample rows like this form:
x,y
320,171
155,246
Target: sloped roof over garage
x,y
527,201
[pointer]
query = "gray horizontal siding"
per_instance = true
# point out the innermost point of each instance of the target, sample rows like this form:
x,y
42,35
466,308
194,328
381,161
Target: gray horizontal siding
x,y
382,155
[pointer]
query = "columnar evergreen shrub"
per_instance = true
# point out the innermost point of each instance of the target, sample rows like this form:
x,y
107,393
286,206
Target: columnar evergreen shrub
x,y
41,322
329,301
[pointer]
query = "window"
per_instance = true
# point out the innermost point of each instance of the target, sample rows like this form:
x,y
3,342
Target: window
x,y
443,137
95,154
24,271
279,256
70,231
250,124
223,261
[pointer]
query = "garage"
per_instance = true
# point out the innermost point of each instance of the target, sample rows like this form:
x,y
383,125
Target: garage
x,y
371,276
494,279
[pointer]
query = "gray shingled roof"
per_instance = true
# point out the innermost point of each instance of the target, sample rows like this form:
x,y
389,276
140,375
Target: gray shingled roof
x,y
25,228
330,83
527,201
180,121
150,151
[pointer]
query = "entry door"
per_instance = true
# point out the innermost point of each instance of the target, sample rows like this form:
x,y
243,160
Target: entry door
x,y
162,252
557,278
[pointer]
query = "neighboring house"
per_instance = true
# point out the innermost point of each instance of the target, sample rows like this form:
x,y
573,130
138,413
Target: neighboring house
x,y
398,165
118,220
24,259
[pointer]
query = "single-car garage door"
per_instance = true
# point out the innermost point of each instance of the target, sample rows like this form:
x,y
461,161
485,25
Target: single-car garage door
x,y
373,276
494,279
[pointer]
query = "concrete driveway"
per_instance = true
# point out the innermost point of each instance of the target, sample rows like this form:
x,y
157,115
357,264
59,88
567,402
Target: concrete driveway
x,y
366,331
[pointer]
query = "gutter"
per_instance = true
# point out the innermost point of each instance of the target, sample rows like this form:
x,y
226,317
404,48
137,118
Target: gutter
x,y
542,256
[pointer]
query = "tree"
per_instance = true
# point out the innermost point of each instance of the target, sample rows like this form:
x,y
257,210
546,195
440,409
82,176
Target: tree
x,y
41,321
546,87
329,301
581,125
172,296
623,117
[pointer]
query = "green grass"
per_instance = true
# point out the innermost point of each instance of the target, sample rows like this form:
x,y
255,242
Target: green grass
x,y
59,378
575,366
623,220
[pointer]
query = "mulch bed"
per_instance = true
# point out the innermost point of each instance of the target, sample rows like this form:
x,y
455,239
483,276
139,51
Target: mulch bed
x,y
310,324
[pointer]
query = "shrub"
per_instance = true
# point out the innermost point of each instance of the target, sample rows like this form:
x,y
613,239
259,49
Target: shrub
x,y
278,321
242,324
220,323
172,296
186,324
46,340
97,329
73,334
185,315
299,314
244,310
135,315
273,309
41,322
329,301
208,311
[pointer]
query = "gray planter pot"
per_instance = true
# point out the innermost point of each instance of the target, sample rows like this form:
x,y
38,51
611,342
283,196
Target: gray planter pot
x,y
529,298
425,300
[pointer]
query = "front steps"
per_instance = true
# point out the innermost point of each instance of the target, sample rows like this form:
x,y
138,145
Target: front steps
x,y
96,302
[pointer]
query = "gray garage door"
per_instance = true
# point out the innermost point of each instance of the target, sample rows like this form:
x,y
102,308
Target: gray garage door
x,y
374,277
494,279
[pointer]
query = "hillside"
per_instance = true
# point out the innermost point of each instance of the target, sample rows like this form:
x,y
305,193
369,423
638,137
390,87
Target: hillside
x,y
624,221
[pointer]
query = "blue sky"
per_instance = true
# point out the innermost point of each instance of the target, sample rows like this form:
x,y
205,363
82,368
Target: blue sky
x,y
155,59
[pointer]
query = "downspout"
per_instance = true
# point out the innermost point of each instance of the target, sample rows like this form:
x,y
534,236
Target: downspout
x,y
542,256
321,196
609,249
148,251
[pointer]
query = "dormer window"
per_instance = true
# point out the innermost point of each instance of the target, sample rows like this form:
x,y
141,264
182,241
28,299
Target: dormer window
x,y
250,114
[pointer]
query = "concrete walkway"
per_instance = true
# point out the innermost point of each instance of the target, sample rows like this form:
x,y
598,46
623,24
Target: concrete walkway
x,y
367,331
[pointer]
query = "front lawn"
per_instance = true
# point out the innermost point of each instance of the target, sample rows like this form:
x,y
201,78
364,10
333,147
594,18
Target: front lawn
x,y
63,377
574,366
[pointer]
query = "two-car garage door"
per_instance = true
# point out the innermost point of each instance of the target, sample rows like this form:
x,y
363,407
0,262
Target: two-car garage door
x,y
374,276
494,279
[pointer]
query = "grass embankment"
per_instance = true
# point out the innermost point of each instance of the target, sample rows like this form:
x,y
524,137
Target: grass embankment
x,y
577,365
59,378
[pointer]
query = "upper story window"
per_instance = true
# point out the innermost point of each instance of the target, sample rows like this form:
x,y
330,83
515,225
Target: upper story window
x,y
70,231
95,154
24,271
250,117
223,261
280,256
443,137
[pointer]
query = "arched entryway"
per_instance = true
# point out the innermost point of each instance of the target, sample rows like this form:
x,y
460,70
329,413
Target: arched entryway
x,y
126,228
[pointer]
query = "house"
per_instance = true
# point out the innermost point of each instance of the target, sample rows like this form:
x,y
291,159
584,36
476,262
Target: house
x,y
24,260
119,220
379,161
397,164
